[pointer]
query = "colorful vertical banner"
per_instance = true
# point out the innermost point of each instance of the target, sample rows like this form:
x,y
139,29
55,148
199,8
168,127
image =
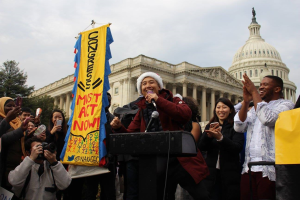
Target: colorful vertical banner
x,y
85,140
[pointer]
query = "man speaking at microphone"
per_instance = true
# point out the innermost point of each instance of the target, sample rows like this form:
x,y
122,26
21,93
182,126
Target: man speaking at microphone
x,y
173,115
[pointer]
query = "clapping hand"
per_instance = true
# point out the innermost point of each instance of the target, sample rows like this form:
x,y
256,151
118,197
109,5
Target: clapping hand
x,y
214,131
249,85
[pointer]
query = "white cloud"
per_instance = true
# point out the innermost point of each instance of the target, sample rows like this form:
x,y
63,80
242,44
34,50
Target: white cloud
x,y
40,34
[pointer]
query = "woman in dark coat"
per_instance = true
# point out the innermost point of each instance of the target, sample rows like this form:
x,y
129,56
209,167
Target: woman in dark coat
x,y
12,140
173,113
223,146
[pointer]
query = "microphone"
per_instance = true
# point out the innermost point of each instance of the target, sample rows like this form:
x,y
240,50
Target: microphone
x,y
154,116
152,100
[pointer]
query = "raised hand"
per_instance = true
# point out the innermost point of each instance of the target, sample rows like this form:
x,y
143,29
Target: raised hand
x,y
246,96
24,124
12,114
55,128
249,85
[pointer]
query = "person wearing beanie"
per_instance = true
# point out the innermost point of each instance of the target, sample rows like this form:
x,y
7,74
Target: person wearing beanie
x,y
173,115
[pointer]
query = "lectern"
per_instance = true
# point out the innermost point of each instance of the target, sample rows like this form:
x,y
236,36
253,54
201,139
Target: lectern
x,y
149,147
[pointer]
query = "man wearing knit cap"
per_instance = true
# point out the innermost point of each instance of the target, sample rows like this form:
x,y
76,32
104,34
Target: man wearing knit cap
x,y
173,114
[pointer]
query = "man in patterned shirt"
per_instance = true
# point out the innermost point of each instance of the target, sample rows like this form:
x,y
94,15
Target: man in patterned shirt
x,y
259,123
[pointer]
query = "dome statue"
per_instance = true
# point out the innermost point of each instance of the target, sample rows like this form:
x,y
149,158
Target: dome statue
x,y
258,58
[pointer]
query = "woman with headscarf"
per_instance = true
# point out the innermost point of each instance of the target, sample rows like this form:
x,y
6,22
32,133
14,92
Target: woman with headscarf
x,y
12,140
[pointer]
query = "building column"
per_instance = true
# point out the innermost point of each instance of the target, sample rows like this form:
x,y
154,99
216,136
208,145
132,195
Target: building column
x,y
236,99
221,94
121,91
68,95
295,98
165,85
61,101
111,88
128,90
212,102
195,92
184,89
284,90
55,101
288,94
229,97
132,89
174,89
203,108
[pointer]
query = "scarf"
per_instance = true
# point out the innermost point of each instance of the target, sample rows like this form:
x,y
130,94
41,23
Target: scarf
x,y
15,123
147,112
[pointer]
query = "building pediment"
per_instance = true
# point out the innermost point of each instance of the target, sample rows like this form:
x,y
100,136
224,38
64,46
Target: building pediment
x,y
217,74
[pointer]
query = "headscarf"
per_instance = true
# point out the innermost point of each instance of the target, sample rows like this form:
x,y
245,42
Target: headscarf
x,y
15,123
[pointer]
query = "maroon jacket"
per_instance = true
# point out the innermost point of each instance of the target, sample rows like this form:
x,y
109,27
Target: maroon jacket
x,y
171,115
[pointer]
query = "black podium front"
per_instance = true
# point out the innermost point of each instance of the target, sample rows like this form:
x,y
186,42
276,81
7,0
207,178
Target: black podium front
x,y
151,147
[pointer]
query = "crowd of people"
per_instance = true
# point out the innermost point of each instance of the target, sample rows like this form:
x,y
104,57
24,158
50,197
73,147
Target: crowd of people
x,y
30,164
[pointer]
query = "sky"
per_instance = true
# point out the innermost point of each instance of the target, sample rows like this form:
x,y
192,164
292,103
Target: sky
x,y
40,35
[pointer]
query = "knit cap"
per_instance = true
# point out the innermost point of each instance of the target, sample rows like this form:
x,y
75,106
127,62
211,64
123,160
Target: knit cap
x,y
148,74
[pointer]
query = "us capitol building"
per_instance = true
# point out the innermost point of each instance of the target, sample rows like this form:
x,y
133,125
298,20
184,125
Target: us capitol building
x,y
205,84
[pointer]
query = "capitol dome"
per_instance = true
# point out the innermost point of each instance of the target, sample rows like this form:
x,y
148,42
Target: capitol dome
x,y
257,59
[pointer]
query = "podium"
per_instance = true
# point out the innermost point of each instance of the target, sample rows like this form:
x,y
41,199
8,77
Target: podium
x,y
151,147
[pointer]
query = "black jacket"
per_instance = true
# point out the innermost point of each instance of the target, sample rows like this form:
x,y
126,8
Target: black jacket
x,y
229,149
108,129
59,141
9,138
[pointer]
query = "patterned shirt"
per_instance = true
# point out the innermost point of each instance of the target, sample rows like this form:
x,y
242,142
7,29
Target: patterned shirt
x,y
267,114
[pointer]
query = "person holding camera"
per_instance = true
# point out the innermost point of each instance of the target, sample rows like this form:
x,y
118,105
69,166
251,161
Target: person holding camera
x,y
40,174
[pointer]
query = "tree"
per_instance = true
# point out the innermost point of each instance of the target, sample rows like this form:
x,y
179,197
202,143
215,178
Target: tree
x,y
46,103
13,80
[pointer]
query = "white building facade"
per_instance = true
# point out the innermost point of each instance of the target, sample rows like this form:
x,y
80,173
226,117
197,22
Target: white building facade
x,y
205,84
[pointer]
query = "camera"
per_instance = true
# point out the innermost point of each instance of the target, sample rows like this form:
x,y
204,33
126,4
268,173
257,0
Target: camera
x,y
50,147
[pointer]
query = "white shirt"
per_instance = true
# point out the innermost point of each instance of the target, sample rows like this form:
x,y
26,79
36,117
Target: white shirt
x,y
260,124
36,186
255,145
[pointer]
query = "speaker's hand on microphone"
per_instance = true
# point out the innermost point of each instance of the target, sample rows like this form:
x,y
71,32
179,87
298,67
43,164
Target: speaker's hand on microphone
x,y
116,123
151,96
